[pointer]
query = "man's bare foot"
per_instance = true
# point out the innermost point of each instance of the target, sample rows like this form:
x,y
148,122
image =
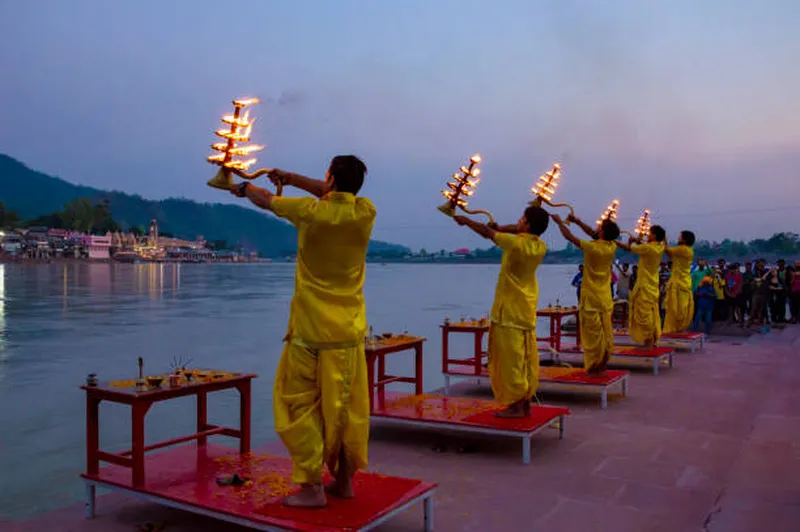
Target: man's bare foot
x,y
309,496
340,489
515,410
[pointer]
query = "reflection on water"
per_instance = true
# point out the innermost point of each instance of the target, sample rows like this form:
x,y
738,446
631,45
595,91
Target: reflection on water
x,y
59,322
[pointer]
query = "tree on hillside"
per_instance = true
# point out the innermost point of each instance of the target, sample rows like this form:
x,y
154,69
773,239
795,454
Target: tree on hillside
x,y
8,218
80,215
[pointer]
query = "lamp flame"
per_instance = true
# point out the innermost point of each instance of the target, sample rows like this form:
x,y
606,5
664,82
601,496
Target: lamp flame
x,y
464,183
610,213
545,188
643,225
238,133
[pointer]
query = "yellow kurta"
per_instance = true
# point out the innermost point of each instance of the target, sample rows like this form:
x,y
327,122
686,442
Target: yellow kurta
x,y
513,355
679,300
321,393
596,304
645,315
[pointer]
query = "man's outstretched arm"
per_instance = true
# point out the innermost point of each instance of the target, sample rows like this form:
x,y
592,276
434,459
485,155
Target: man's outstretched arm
x,y
315,187
482,229
260,197
510,228
590,231
565,232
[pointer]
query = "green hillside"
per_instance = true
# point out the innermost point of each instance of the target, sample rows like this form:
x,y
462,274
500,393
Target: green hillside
x,y
31,194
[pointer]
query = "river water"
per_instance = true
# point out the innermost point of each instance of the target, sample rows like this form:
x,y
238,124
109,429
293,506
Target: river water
x,y
59,322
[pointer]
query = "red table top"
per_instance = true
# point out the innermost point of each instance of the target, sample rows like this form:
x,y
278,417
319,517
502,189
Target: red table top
x,y
393,343
126,391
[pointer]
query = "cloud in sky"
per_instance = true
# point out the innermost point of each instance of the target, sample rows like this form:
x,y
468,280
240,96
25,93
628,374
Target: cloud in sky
x,y
684,107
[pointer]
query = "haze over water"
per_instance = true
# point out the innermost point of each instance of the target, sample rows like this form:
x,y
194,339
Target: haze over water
x,y
59,322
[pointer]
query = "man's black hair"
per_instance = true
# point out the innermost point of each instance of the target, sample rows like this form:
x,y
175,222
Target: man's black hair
x,y
659,233
348,173
538,220
610,230
688,238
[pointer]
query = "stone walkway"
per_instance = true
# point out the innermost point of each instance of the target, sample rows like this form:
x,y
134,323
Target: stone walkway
x,y
713,444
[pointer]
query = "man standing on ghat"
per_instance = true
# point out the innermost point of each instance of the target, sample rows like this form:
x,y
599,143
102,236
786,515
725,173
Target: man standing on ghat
x,y
513,353
321,394
596,305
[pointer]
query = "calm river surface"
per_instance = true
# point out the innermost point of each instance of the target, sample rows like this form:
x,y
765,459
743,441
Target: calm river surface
x,y
59,322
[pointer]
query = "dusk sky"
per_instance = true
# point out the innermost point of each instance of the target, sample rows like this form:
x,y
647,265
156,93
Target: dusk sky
x,y
689,108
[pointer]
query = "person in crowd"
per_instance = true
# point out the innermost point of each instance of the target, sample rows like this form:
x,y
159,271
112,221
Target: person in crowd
x,y
706,299
720,309
733,290
748,285
794,292
577,280
634,277
761,294
624,283
700,270
777,289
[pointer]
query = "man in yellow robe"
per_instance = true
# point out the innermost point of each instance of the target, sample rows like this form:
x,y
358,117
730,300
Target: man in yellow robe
x,y
680,299
321,393
596,304
513,354
644,323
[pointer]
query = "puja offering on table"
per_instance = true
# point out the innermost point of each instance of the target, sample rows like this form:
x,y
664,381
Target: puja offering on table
x,y
91,379
447,320
154,381
140,382
236,138
461,188
174,380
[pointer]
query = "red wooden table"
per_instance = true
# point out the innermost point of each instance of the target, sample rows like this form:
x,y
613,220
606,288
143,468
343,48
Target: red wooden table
x,y
141,401
377,351
556,316
476,361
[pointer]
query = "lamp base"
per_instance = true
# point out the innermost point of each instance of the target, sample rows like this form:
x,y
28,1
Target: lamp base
x,y
447,208
223,180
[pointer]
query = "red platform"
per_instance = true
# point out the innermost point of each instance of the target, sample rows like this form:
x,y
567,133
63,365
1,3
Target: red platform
x,y
632,356
460,414
185,478
689,341
559,379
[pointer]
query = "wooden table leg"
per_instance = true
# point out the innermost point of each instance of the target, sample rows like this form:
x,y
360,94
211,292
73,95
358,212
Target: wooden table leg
x,y
202,416
381,378
138,413
478,353
92,434
371,377
445,349
244,417
418,387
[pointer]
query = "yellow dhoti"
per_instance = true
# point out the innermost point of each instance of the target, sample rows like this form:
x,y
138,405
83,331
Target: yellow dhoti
x,y
645,318
513,364
680,308
597,338
321,406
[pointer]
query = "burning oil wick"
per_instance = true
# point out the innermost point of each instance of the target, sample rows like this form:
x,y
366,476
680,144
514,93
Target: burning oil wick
x,y
610,213
642,225
545,188
238,132
461,188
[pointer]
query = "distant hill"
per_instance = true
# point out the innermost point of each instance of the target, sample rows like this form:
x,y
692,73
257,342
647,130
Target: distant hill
x,y
33,194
